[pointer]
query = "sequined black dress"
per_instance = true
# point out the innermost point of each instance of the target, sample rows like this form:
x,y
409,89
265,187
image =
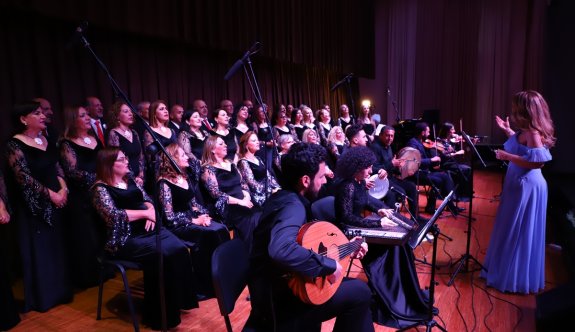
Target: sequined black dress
x,y
261,182
130,240
179,206
191,143
40,226
85,233
219,185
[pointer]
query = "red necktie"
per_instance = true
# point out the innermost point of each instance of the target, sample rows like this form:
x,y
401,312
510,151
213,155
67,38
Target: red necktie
x,y
100,132
207,124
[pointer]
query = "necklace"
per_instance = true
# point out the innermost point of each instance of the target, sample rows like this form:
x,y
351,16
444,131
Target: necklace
x,y
36,139
180,179
87,140
121,185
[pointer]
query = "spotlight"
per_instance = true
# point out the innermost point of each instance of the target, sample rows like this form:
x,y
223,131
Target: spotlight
x,y
366,103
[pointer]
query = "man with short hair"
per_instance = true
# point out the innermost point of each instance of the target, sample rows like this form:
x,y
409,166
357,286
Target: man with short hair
x,y
202,108
385,159
227,106
356,135
96,112
176,113
277,254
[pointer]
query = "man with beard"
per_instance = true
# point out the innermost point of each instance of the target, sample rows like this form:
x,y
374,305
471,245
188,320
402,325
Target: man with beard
x,y
276,253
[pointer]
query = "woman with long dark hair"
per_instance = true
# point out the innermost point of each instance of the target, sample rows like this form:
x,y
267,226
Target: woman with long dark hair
x,y
39,193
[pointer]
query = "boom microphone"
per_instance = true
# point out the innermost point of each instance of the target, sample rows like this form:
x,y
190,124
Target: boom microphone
x,y
253,50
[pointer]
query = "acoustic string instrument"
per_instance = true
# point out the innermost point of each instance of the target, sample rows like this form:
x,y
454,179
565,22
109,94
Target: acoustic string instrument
x,y
326,239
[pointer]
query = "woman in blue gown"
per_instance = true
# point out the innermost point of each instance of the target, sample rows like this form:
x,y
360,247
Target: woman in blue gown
x,y
515,260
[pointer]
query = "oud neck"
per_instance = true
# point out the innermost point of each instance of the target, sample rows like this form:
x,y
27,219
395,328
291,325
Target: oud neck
x,y
348,248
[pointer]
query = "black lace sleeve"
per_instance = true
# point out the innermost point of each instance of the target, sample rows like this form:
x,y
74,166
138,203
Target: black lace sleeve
x,y
210,182
173,219
68,160
113,138
344,200
255,187
36,195
116,219
184,141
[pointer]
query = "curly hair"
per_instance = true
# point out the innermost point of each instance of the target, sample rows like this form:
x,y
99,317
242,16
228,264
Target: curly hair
x,y
166,169
302,159
354,160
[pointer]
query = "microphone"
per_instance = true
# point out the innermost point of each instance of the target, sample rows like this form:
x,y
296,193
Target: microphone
x,y
399,193
347,77
77,34
253,50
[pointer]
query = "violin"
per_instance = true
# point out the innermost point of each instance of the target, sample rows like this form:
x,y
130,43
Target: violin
x,y
429,144
455,139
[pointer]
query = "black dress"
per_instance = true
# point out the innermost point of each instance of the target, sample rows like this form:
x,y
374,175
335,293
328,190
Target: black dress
x,y
130,240
299,131
220,184
179,206
40,226
265,152
256,175
152,152
231,143
191,143
85,233
344,124
133,150
391,272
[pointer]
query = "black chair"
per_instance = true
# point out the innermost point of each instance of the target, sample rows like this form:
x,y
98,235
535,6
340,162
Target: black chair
x,y
323,209
121,266
230,272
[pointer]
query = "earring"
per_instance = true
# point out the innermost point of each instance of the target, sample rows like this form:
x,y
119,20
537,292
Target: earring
x,y
26,124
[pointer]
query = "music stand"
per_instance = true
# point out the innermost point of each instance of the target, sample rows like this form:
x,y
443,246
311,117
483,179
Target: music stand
x,y
414,241
463,262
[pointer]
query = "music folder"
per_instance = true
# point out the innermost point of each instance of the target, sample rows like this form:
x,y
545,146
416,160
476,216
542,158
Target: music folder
x,y
418,236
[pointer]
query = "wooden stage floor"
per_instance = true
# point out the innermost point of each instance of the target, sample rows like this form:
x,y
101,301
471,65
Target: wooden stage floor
x,y
467,305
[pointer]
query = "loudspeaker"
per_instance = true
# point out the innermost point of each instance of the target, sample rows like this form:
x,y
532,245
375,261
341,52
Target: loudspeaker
x,y
555,308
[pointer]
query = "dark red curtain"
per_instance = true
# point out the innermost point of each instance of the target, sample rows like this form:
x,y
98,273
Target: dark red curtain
x,y
180,50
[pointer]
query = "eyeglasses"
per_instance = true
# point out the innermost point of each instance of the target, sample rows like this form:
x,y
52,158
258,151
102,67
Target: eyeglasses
x,y
123,159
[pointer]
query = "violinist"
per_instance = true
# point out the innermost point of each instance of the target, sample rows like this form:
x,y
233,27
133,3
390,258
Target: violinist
x,y
451,144
440,181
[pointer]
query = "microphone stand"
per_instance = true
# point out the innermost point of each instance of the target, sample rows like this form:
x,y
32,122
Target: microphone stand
x,y
251,77
347,80
120,94
463,262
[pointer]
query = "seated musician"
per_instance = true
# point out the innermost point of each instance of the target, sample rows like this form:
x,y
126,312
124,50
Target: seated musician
x,y
452,148
429,172
386,160
276,253
391,272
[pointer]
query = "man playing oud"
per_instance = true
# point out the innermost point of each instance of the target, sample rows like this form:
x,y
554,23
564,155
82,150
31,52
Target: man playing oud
x,y
276,255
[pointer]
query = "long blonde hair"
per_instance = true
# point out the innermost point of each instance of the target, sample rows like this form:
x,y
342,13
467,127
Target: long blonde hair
x,y
208,157
166,169
529,111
